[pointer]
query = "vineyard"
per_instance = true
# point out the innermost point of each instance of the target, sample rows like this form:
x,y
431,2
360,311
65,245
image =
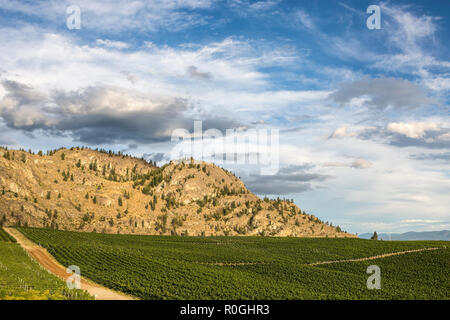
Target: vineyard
x,y
4,236
165,267
21,278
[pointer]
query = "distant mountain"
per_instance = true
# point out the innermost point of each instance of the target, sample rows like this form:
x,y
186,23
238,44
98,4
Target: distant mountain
x,y
426,235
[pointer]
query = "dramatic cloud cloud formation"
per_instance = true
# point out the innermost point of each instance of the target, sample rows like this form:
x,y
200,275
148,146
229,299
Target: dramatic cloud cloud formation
x,y
194,73
97,115
432,156
383,93
288,180
402,134
415,130
424,134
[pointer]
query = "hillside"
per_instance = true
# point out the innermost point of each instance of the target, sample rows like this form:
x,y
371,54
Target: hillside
x,y
81,189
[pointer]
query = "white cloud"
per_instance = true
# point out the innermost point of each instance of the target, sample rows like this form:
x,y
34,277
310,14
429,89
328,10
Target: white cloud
x,y
383,93
414,36
99,114
420,221
305,19
409,29
117,15
361,164
438,83
410,44
357,164
444,137
342,133
112,44
54,61
414,130
130,76
263,5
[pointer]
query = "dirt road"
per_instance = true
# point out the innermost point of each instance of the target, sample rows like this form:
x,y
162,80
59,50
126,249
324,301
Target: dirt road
x,y
47,261
372,257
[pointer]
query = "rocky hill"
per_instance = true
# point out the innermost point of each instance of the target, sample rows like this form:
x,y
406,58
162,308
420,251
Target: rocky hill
x,y
94,190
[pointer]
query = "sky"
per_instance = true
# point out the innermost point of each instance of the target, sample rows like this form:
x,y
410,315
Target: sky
x,y
362,115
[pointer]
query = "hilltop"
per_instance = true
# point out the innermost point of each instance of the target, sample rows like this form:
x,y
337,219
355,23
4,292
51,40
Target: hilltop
x,y
81,189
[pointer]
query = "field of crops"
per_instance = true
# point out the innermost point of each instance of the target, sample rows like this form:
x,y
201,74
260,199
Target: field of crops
x,y
5,237
163,267
22,278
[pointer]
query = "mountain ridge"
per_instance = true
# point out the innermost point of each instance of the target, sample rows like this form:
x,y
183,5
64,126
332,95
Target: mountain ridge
x,y
82,189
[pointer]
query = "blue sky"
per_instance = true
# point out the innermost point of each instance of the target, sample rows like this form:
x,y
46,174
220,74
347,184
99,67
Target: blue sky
x,y
363,114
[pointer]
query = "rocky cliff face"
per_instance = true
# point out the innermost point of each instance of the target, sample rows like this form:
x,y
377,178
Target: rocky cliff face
x,y
86,190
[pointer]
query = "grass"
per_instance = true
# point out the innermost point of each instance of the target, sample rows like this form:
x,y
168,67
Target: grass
x,y
165,267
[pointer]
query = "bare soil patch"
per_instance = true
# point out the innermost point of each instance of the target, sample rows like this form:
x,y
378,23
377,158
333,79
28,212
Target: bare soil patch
x,y
47,261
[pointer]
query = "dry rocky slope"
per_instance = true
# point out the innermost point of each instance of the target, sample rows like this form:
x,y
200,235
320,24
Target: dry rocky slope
x,y
81,189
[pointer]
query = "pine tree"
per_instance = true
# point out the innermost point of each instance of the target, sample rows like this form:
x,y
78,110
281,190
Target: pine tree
x,y
375,236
